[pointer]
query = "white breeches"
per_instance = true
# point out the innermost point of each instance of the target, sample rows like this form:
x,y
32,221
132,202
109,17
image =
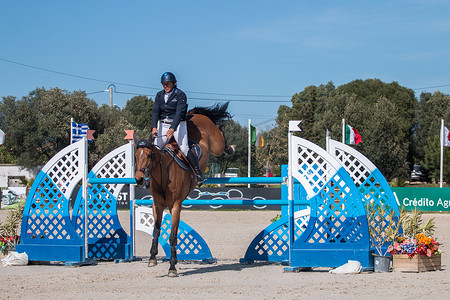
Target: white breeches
x,y
180,135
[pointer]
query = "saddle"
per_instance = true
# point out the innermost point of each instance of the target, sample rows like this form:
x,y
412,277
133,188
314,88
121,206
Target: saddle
x,y
174,151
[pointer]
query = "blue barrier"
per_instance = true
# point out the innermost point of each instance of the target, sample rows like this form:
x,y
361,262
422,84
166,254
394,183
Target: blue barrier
x,y
125,180
245,180
228,202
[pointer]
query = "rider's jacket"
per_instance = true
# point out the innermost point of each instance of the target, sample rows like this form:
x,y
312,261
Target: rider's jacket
x,y
174,110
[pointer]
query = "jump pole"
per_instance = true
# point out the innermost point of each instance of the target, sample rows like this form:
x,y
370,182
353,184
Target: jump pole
x,y
84,182
293,126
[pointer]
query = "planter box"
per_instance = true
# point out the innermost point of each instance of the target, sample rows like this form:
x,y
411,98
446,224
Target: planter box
x,y
419,263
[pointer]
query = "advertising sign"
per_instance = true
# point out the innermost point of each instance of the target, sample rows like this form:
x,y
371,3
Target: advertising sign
x,y
424,198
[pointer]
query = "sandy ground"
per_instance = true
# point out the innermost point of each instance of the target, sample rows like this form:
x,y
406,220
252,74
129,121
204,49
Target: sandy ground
x,y
228,234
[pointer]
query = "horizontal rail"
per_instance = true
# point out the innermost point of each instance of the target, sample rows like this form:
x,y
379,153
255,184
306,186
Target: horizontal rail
x,y
209,180
114,180
246,180
228,202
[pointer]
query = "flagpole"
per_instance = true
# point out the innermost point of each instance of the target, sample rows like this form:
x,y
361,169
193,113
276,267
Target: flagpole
x,y
249,149
442,152
327,141
343,131
71,130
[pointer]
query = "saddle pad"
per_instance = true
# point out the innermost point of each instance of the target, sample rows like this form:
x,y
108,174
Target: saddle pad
x,y
193,146
177,159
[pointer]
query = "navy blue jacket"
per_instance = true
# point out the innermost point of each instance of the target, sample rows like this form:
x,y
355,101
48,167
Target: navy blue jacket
x,y
175,108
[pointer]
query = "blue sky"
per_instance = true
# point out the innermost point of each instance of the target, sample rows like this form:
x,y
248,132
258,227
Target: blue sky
x,y
222,50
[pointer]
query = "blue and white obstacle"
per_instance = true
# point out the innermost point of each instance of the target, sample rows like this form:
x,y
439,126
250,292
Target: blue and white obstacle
x,y
323,221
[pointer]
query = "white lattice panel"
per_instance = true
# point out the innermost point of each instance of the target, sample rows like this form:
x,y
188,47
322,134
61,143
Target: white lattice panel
x,y
312,165
356,164
144,219
119,163
65,169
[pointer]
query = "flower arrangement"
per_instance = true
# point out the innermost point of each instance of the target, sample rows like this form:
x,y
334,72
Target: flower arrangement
x,y
8,229
421,245
417,237
7,242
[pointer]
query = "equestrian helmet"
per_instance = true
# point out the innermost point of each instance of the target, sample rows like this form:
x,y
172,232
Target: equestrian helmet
x,y
168,76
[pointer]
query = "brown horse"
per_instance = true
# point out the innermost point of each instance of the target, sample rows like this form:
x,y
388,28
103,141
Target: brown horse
x,y
169,183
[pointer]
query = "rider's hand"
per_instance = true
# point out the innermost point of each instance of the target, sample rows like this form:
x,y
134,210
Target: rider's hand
x,y
154,132
169,133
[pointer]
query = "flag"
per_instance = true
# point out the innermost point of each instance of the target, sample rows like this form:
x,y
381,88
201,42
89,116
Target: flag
x,y
446,141
351,136
79,131
2,137
256,137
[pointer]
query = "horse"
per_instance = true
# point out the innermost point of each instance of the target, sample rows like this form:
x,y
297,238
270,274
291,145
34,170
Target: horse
x,y
169,183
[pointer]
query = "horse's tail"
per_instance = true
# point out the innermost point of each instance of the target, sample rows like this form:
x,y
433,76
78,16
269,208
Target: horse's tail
x,y
217,112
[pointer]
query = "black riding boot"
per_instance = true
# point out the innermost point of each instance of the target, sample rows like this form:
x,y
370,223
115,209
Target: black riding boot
x,y
194,163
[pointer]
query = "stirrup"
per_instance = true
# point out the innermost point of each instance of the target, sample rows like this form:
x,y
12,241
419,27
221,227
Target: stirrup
x,y
200,180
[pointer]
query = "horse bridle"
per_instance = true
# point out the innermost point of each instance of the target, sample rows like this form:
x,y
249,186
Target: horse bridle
x,y
146,171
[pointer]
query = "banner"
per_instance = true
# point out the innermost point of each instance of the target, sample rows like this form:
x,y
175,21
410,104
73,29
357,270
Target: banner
x,y
423,198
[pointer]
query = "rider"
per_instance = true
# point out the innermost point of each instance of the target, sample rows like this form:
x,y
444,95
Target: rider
x,y
169,119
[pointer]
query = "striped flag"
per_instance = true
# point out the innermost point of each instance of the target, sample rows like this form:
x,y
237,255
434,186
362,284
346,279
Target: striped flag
x,y
352,136
78,131
256,137
446,141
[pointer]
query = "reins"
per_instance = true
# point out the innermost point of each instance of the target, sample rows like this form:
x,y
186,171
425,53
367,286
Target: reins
x,y
148,173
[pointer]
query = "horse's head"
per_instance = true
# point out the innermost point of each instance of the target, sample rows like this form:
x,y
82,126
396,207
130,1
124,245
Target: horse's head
x,y
145,157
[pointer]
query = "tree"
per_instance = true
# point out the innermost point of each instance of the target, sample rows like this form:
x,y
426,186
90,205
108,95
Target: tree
x,y
7,111
40,125
111,132
387,139
432,159
235,134
384,114
138,112
431,109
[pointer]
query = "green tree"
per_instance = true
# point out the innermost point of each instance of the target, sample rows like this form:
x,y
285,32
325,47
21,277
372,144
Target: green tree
x,y
138,112
384,114
40,125
7,111
235,134
431,109
111,133
432,159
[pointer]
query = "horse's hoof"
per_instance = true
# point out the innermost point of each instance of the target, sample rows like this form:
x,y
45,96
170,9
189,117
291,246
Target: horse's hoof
x,y
173,273
152,263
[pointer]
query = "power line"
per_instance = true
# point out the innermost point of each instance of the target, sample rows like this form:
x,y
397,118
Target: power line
x,y
134,85
76,76
213,99
432,87
91,93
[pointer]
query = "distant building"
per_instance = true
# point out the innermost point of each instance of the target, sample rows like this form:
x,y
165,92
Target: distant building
x,y
16,176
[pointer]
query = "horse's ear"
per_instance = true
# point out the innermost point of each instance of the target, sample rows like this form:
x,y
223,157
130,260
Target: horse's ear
x,y
135,139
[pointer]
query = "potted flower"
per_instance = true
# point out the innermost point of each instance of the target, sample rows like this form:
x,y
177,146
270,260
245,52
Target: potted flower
x,y
416,250
384,228
9,228
6,243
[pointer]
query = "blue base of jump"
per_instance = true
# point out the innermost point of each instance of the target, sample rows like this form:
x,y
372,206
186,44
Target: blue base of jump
x,y
330,257
48,252
109,251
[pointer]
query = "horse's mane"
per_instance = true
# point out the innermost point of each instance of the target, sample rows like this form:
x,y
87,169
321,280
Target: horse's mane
x,y
217,112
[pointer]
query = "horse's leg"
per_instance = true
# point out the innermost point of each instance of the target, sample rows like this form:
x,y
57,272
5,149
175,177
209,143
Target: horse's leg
x,y
175,212
157,215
